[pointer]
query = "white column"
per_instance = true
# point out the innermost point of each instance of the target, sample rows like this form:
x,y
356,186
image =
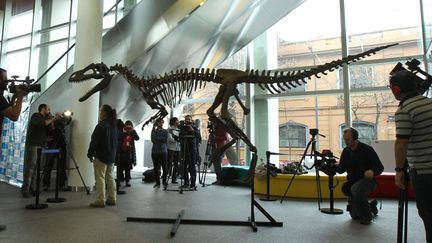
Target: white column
x,y
87,50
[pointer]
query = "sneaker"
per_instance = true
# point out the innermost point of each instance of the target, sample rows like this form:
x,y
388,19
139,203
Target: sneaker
x,y
110,203
127,184
97,205
373,207
156,186
193,187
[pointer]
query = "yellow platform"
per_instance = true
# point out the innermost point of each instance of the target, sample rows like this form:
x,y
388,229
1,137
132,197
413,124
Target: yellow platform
x,y
303,186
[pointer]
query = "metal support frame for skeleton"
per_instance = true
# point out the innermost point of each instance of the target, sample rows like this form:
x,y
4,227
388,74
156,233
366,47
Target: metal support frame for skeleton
x,y
168,90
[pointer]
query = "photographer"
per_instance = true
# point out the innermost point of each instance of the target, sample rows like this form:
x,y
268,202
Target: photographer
x,y
127,156
10,109
189,137
362,164
414,141
36,138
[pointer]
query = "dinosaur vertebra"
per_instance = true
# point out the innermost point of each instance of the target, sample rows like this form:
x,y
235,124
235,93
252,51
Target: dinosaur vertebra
x,y
170,88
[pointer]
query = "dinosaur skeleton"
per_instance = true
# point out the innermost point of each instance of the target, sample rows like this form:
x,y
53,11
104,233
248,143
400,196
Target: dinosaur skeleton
x,y
168,90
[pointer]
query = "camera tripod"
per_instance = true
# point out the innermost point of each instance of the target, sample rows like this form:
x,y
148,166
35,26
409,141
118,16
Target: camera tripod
x,y
311,144
207,158
185,153
71,156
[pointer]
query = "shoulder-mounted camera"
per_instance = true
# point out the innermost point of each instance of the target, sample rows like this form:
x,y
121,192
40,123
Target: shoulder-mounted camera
x,y
24,84
411,78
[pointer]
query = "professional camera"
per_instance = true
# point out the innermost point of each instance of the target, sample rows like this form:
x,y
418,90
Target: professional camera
x,y
25,85
421,84
327,162
65,119
211,127
186,129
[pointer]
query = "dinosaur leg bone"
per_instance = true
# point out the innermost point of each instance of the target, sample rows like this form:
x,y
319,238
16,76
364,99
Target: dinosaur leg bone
x,y
245,109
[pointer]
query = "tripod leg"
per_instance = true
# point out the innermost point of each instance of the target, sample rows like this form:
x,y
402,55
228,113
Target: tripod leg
x,y
77,168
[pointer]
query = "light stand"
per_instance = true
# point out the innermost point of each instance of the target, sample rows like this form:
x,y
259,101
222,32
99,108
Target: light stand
x,y
69,152
57,199
312,144
268,198
251,220
331,171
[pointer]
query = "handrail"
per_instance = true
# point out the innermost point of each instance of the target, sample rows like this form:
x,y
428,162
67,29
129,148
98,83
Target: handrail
x,y
72,46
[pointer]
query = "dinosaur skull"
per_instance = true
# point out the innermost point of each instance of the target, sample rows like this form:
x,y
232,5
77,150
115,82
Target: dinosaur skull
x,y
92,71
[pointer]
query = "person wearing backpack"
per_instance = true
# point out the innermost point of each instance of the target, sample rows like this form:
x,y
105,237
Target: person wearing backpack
x,y
127,156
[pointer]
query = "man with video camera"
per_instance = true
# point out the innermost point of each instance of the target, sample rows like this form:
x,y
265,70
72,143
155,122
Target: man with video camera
x,y
10,109
189,137
414,139
36,138
362,164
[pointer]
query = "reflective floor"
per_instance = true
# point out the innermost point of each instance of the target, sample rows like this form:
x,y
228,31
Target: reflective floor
x,y
74,221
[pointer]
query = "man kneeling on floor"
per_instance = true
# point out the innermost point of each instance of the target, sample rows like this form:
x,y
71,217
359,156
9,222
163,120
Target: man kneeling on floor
x,y
362,164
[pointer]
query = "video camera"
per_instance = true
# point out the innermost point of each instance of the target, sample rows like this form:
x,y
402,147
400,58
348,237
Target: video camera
x,y
327,162
25,84
421,84
65,119
186,129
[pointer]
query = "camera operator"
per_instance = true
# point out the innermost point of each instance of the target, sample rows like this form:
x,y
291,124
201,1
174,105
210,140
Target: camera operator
x,y
11,109
173,149
362,164
36,138
414,141
189,137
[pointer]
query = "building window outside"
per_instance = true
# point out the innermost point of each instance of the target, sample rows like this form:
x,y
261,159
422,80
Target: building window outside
x,y
292,135
366,130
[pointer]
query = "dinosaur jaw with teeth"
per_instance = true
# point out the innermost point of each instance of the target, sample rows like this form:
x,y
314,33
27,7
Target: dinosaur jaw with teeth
x,y
98,87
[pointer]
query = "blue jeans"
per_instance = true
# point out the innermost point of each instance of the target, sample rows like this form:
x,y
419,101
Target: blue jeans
x,y
359,198
30,173
422,185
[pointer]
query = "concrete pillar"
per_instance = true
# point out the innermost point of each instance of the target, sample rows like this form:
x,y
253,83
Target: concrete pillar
x,y
87,50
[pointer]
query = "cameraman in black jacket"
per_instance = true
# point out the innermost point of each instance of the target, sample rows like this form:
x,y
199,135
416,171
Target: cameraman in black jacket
x,y
362,164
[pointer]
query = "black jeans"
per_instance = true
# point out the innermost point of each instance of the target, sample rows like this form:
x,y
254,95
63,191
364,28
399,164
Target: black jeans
x,y
422,185
160,160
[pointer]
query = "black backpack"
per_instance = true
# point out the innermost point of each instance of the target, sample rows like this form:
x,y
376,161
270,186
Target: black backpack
x,y
149,176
